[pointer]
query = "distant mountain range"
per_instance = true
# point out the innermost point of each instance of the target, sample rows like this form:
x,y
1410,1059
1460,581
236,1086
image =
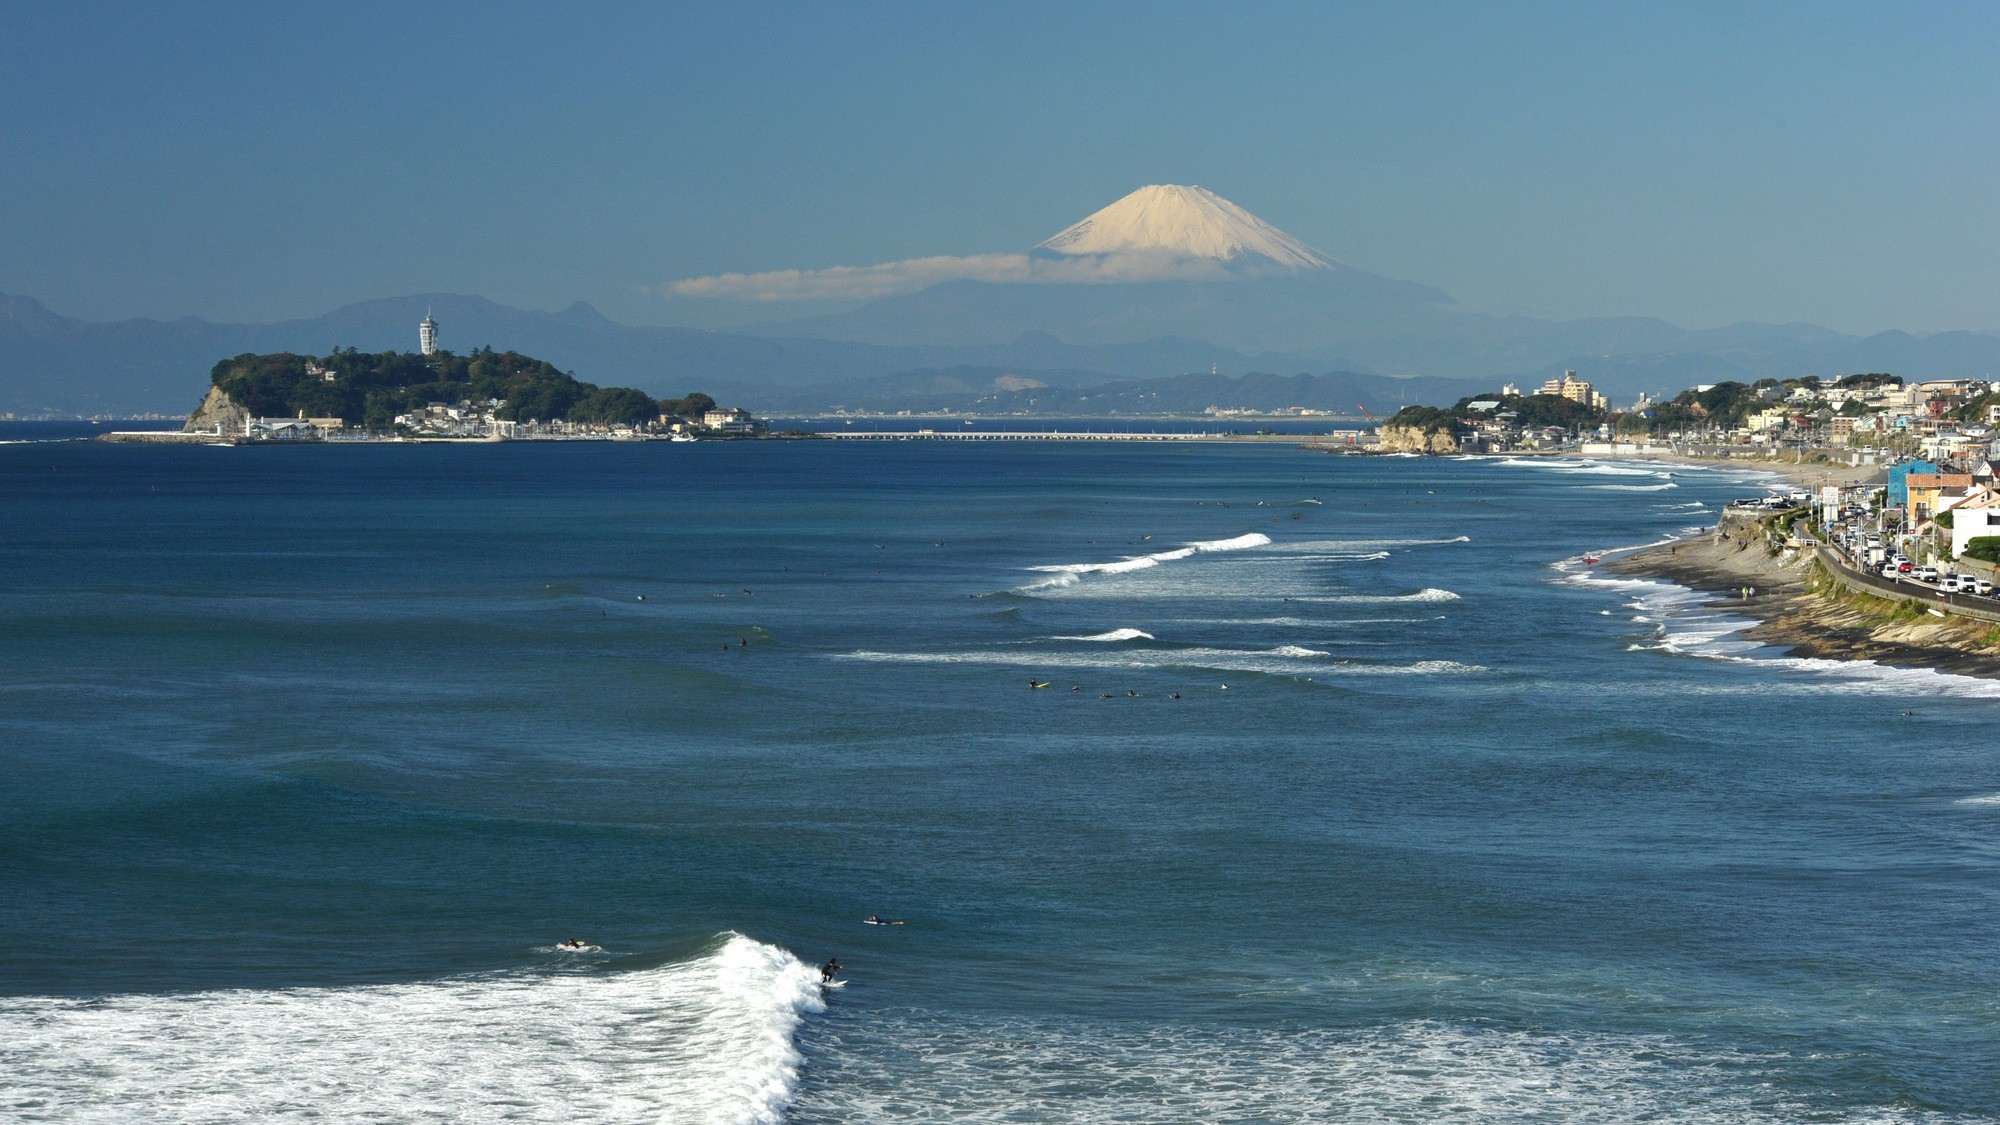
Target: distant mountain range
x,y
56,364
1167,281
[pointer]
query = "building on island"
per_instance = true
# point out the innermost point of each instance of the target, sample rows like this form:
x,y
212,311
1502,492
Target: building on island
x,y
733,422
427,335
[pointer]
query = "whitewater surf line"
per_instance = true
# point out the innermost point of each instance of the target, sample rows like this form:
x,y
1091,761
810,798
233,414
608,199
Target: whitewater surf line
x,y
708,1039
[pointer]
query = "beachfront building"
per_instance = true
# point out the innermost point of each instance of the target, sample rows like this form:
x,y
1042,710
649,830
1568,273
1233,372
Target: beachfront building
x,y
732,422
300,428
427,334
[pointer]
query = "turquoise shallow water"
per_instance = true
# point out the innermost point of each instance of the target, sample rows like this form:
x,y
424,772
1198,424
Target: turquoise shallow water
x,y
310,755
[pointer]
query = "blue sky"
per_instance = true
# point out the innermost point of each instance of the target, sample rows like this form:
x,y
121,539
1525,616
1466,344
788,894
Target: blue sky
x,y
1705,163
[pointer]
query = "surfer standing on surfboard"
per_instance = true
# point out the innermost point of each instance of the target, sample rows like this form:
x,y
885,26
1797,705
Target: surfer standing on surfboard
x,y
829,970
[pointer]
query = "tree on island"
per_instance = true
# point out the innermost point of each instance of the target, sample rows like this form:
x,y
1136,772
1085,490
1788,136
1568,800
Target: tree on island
x,y
1528,410
691,408
371,389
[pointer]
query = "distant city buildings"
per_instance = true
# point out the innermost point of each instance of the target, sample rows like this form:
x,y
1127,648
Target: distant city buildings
x,y
427,335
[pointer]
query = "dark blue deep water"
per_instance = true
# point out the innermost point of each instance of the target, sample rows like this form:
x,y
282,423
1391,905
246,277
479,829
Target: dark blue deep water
x,y
309,756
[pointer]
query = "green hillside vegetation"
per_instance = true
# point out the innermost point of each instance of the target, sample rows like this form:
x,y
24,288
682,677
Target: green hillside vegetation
x,y
1533,410
1528,410
1425,419
371,389
1985,548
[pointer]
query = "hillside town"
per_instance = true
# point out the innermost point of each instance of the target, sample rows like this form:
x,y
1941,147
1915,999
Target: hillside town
x,y
1858,419
482,421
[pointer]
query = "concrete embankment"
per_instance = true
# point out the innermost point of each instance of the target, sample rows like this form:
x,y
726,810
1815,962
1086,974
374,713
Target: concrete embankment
x,y
161,437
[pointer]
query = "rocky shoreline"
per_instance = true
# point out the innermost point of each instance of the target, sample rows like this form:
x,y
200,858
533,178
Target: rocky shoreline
x,y
1802,611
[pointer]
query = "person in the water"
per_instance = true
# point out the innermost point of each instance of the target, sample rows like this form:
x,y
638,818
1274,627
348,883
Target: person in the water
x,y
829,970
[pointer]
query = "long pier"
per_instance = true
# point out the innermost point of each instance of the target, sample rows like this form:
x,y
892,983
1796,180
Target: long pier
x,y
1049,435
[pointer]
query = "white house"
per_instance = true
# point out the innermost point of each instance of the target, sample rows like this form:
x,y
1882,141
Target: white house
x,y
1976,515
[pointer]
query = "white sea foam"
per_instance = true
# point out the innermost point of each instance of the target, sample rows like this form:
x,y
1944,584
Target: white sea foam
x,y
1984,802
1067,574
1345,545
1584,467
1113,635
1420,668
1280,660
1332,556
1685,625
1239,543
1427,594
1662,487
1297,661
708,1040
1424,1071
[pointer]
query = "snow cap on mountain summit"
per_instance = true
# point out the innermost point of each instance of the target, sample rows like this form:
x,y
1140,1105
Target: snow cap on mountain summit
x,y
1184,220
1162,232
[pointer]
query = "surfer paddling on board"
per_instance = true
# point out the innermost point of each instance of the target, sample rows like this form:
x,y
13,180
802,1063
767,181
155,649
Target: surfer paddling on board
x,y
878,920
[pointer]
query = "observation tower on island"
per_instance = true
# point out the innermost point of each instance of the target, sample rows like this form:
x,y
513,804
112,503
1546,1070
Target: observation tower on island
x,y
427,334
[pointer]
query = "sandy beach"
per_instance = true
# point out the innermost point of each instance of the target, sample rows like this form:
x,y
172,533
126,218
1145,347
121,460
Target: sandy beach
x,y
1806,474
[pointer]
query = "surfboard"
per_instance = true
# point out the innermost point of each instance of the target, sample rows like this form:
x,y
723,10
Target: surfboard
x,y
881,922
833,984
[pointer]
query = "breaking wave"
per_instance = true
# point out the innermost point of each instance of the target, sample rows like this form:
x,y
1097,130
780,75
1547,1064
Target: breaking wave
x,y
1113,635
708,1039
1684,624
1427,594
1068,574
1239,543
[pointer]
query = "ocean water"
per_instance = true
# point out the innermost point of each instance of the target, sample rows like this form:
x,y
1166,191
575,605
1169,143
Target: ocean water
x,y
1354,795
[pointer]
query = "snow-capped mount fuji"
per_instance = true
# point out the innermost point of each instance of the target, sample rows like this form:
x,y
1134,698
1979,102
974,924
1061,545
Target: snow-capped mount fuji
x,y
1167,260
1189,222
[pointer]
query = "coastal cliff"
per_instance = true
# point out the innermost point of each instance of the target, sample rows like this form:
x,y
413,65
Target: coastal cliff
x,y
217,414
1400,438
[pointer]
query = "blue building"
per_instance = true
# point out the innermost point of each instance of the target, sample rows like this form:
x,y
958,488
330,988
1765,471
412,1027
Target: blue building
x,y
1899,481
